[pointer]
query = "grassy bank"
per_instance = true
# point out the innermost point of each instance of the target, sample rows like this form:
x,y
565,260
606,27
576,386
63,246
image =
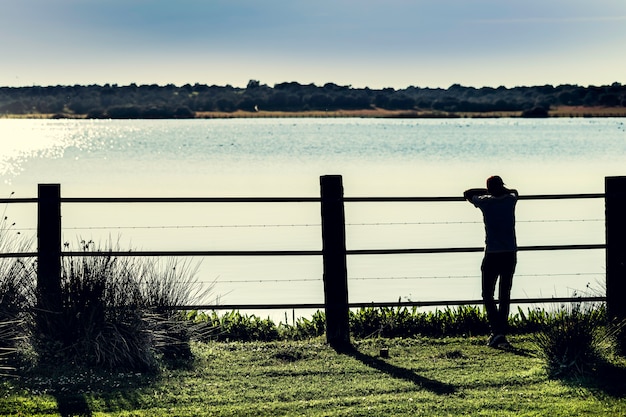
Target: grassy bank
x,y
562,111
421,377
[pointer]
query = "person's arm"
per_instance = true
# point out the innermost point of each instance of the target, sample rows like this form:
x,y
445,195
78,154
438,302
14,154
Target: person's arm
x,y
473,192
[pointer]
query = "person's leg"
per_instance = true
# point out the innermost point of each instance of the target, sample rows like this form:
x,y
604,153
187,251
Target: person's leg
x,y
507,263
489,278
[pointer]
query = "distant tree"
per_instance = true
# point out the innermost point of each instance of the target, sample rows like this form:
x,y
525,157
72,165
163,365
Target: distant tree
x,y
156,113
332,87
448,104
290,86
400,102
97,114
283,101
14,107
609,100
225,104
200,88
568,98
381,100
124,112
246,104
535,112
345,102
320,101
252,84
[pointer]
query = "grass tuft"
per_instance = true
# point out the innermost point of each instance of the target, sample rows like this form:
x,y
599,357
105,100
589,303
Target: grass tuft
x,y
17,295
574,340
119,313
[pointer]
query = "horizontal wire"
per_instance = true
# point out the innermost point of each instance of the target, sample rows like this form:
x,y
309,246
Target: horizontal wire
x,y
472,222
234,226
216,226
243,281
260,280
471,276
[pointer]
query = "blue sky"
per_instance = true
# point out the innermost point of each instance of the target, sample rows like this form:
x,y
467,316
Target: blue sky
x,y
366,43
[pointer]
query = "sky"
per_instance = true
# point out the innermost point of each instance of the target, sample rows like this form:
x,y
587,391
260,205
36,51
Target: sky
x,y
361,43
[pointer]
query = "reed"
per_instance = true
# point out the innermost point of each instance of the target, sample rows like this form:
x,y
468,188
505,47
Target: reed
x,y
119,313
575,340
17,293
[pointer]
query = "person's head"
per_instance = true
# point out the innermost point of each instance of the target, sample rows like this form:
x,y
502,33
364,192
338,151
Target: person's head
x,y
495,186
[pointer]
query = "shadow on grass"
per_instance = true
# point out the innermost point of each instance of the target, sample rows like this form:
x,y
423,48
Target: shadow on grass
x,y
394,371
73,405
518,351
74,388
77,405
606,380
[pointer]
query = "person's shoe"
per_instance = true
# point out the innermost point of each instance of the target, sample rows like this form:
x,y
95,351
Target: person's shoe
x,y
503,343
495,340
498,341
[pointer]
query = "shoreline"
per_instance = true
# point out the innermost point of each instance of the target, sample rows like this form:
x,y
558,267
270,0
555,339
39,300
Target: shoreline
x,y
562,111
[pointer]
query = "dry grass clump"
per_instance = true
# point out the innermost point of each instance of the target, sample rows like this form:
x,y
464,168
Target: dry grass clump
x,y
17,281
119,312
576,340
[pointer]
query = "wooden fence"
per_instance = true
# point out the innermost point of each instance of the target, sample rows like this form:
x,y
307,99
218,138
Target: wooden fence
x,y
333,253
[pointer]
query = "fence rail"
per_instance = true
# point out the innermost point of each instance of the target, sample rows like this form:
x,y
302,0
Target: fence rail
x,y
286,199
374,304
333,251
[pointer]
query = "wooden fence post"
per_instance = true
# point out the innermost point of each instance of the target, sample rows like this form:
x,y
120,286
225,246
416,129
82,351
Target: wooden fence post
x,y
615,206
48,257
334,258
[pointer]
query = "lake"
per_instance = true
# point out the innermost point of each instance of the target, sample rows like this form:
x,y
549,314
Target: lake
x,y
286,157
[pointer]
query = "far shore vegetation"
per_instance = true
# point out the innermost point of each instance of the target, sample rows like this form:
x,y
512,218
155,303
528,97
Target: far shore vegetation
x,y
563,111
292,99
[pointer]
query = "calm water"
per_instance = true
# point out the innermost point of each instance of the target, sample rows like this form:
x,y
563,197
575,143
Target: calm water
x,y
285,157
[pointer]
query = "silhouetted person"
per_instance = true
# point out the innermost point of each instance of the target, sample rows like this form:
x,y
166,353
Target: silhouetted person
x,y
497,204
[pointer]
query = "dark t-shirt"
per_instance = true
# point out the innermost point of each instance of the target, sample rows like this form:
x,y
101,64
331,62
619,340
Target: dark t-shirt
x,y
499,217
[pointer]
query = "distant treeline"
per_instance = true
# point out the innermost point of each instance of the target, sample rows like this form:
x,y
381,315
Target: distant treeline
x,y
170,101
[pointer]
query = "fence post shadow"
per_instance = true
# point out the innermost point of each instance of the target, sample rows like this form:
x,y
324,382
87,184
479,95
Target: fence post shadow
x,y
73,405
432,385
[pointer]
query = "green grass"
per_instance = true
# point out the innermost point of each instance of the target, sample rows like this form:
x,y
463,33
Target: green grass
x,y
421,377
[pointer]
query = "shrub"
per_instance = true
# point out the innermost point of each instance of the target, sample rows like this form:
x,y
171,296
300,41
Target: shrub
x,y
17,277
404,322
531,321
17,281
304,328
100,322
118,312
573,339
240,327
164,285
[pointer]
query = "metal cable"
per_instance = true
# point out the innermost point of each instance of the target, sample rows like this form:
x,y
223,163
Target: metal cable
x,y
243,226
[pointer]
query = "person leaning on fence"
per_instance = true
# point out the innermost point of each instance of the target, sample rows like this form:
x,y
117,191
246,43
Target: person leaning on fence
x,y
497,204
